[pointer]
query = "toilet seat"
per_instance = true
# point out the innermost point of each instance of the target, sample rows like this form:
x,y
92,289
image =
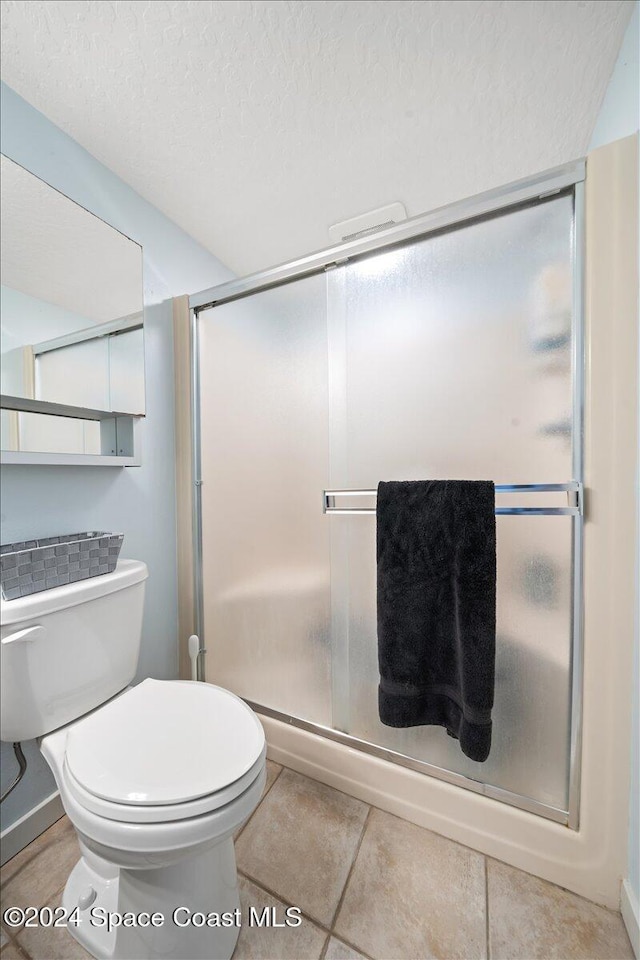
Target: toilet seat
x,y
163,751
162,813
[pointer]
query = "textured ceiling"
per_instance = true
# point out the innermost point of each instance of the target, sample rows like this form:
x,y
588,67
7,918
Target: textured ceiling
x,y
53,250
257,124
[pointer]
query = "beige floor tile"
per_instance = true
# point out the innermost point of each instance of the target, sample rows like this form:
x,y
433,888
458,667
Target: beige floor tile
x,y
337,950
301,843
12,952
274,943
273,769
51,943
35,874
530,919
414,894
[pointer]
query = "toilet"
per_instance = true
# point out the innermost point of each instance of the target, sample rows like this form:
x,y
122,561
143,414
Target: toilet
x,y
155,778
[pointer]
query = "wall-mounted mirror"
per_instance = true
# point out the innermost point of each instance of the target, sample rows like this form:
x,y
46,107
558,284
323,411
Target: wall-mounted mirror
x,y
72,321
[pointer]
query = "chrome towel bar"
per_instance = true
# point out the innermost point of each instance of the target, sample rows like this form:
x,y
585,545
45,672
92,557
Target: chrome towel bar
x,y
573,489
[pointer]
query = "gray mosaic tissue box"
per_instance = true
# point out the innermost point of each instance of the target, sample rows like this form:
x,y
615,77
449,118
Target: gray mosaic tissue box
x,y
35,565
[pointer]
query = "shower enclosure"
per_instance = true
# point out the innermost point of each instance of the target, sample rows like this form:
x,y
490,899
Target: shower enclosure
x,y
446,347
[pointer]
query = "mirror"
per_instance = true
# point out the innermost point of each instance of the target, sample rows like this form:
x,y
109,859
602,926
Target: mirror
x,y
72,320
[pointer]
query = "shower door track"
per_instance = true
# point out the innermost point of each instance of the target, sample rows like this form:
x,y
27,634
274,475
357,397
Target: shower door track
x,y
485,205
421,766
567,179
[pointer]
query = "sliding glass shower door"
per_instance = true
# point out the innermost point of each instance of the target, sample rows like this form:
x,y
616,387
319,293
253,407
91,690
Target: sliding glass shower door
x,y
450,356
266,545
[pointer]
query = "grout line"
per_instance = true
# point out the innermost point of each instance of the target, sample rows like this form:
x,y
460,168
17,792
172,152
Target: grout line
x,y
11,933
352,946
278,896
329,930
21,950
396,816
273,782
486,907
58,892
325,947
15,932
536,876
353,863
259,803
307,916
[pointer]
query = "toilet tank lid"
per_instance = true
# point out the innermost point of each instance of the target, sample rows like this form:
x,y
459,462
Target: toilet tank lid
x,y
126,574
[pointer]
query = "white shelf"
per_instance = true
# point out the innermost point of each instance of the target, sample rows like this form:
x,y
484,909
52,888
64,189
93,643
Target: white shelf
x,y
26,405
118,431
8,457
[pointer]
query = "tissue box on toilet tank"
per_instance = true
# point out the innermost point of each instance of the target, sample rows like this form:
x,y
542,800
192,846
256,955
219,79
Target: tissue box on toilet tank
x,y
35,565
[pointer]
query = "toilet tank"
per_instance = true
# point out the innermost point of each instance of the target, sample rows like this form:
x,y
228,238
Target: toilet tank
x,y
65,651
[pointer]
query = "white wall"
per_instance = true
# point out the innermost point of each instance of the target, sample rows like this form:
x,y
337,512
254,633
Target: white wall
x,y
619,117
140,502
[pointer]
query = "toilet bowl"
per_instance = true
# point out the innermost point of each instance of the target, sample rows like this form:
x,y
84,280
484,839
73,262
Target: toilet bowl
x,y
155,778
156,782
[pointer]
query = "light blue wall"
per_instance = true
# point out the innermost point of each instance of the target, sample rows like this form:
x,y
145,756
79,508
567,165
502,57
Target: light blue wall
x,y
137,501
619,117
27,319
46,320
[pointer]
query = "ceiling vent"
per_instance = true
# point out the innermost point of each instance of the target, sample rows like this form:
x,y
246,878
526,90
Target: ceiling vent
x,y
367,223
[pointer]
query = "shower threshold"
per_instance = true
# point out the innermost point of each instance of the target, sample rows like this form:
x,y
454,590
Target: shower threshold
x,y
527,804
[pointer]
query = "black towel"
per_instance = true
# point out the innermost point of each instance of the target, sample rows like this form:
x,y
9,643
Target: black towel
x,y
436,553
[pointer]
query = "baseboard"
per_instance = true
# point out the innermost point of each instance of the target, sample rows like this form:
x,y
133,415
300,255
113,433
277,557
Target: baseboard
x,y
30,826
630,915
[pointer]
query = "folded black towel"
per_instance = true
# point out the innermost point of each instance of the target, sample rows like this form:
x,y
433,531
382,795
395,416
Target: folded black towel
x,y
436,553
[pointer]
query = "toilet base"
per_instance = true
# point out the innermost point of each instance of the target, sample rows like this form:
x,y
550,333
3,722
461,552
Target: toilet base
x,y
95,939
195,901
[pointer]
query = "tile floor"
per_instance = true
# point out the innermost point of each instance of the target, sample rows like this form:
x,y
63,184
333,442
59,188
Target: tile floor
x,y
369,886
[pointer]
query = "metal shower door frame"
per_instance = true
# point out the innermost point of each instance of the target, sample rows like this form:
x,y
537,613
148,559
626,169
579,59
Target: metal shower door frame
x,y
568,178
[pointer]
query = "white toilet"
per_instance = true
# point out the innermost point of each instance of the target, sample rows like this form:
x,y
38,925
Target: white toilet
x,y
155,778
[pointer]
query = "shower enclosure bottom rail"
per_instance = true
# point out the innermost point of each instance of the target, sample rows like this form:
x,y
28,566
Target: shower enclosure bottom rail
x,y
420,766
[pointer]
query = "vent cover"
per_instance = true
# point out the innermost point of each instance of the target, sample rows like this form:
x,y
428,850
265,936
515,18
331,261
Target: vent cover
x,y
367,223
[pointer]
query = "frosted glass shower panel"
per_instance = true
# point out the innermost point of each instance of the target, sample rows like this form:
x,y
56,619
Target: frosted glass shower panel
x,y
458,353
531,716
264,460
